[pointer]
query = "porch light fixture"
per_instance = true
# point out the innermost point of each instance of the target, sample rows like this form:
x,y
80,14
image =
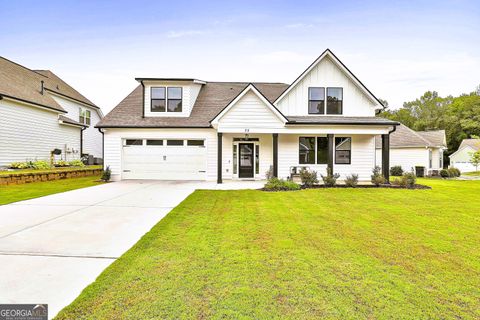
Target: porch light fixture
x,y
246,133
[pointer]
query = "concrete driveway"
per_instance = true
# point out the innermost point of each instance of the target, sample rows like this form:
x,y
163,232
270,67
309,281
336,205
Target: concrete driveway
x,y
52,247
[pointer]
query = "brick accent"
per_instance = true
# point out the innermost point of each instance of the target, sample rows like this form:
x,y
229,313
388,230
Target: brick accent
x,y
21,178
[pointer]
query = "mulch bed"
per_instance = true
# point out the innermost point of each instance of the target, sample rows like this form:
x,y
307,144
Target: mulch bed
x,y
362,186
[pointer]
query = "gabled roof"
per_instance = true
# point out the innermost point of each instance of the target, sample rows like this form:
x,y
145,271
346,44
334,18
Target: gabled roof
x,y
212,99
328,53
63,119
474,144
404,137
249,88
20,83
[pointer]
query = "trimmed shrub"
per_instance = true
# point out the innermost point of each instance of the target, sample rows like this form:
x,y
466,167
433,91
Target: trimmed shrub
x,y
453,172
276,184
330,180
351,180
377,177
106,174
408,179
19,165
396,171
61,163
76,163
309,178
269,173
444,173
41,165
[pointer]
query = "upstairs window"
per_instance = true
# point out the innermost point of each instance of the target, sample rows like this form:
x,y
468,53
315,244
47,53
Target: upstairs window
x,y
157,99
334,100
85,116
316,100
174,97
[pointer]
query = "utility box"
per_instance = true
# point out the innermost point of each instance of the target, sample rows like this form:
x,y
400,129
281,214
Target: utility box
x,y
420,171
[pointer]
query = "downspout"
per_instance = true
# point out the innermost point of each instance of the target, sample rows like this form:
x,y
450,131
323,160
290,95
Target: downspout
x,y
143,98
103,146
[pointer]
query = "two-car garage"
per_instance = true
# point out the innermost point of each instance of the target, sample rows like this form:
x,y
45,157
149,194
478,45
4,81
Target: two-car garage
x,y
164,159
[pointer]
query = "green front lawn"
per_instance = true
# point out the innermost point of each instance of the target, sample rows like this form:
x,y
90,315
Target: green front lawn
x,y
14,193
310,254
474,173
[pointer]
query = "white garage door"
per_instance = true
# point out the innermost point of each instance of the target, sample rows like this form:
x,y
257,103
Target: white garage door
x,y
164,159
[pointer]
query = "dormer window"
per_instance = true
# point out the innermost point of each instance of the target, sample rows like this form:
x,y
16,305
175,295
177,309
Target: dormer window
x,y
166,99
334,100
157,103
316,100
174,96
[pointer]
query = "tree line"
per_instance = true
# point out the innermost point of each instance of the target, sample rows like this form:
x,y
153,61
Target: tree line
x,y
458,116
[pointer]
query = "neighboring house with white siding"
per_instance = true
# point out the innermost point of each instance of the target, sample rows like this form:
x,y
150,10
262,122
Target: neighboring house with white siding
x,y
461,159
188,129
410,149
39,112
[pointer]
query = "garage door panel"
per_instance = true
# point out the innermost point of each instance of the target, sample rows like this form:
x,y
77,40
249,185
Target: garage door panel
x,y
164,163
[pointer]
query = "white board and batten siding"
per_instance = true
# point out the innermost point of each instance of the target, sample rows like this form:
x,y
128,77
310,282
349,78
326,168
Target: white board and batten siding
x,y
92,138
362,157
327,74
29,133
190,93
114,150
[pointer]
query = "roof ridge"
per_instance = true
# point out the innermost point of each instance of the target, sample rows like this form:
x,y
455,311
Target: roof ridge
x,y
22,66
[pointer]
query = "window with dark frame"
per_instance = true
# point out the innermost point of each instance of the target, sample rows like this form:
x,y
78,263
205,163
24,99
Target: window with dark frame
x,y
235,159
199,143
157,99
306,153
174,99
257,159
316,100
88,115
84,116
155,142
343,150
81,116
334,100
133,142
174,142
322,150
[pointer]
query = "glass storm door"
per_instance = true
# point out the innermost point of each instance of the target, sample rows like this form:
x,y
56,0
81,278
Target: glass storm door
x,y
245,160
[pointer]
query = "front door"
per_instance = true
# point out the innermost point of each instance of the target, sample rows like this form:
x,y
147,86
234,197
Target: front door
x,y
245,160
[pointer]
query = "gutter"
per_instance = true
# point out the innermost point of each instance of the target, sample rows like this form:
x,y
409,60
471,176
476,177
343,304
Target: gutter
x,y
103,146
143,98
81,140
32,103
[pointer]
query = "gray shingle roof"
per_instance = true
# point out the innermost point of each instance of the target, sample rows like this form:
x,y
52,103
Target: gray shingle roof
x,y
473,143
69,121
21,83
404,137
213,97
339,120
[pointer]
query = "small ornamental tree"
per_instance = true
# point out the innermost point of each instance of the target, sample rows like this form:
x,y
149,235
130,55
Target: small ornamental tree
x,y
475,159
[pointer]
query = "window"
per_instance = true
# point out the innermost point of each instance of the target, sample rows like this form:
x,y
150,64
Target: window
x,y
235,159
440,154
316,100
334,100
85,116
157,99
322,150
343,147
174,142
307,150
199,143
133,142
257,159
154,142
430,154
174,97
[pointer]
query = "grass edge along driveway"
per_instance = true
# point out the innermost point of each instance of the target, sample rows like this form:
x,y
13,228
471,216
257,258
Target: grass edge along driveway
x,y
325,253
19,192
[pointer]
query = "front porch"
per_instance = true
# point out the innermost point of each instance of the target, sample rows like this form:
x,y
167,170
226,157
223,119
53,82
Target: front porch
x,y
248,156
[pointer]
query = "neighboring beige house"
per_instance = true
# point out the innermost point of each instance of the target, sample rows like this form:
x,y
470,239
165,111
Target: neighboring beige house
x,y
409,149
461,158
39,112
188,129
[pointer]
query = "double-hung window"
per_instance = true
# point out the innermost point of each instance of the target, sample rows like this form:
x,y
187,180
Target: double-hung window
x,y
84,116
313,150
343,150
166,99
316,100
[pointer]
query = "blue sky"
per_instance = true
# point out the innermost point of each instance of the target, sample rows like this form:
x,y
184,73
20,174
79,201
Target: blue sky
x,y
397,49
